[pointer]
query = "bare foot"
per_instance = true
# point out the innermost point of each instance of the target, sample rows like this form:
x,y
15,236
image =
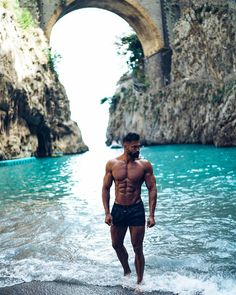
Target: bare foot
x,y
126,280
138,288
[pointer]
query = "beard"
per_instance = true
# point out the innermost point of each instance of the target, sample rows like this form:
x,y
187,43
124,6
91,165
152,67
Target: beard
x,y
135,155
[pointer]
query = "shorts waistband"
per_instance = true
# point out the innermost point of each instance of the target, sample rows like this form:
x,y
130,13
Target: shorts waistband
x,y
129,206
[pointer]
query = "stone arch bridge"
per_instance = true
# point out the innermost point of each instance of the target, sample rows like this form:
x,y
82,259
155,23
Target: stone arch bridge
x,y
146,17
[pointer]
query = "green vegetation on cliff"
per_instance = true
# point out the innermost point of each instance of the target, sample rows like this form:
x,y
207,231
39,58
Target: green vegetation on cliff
x,y
53,59
23,15
130,46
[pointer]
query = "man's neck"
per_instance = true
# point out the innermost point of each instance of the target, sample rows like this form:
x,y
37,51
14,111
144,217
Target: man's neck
x,y
125,157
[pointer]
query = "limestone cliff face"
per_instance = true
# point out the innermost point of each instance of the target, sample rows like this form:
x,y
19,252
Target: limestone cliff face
x,y
204,43
199,106
34,108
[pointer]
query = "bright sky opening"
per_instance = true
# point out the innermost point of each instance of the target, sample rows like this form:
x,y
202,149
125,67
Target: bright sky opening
x,y
89,66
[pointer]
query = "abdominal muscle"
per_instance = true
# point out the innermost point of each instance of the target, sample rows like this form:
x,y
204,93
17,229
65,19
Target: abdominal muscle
x,y
127,193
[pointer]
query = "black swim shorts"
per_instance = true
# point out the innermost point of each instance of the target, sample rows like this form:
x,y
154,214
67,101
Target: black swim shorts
x,y
131,215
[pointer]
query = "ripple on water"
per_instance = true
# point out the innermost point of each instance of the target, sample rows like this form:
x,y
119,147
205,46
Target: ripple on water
x,y
52,222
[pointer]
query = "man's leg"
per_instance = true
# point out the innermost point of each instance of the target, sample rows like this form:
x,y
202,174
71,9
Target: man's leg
x,y
117,237
137,235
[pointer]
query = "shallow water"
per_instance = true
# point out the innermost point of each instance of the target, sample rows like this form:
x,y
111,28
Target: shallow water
x,y
52,222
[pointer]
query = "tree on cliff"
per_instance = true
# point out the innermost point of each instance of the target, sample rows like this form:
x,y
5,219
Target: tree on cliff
x,y
131,47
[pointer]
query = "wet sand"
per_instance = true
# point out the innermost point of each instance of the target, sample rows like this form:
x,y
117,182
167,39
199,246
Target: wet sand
x,y
59,288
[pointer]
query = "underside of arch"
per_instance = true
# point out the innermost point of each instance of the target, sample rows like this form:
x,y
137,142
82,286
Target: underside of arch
x,y
132,12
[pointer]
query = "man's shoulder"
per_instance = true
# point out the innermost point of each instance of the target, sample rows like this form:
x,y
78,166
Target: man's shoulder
x,y
111,162
146,164
144,161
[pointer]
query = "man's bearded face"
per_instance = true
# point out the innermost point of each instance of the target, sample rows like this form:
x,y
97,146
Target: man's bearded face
x,y
133,149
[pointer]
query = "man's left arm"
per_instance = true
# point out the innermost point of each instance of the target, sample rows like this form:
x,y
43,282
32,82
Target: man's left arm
x,y
150,182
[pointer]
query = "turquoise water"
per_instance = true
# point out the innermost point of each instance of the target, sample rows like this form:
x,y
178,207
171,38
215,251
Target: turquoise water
x,y
52,222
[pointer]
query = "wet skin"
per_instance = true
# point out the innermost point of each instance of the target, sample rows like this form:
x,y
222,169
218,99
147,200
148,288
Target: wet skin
x,y
129,172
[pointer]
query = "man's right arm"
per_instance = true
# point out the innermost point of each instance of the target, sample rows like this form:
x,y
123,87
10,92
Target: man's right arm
x,y
107,183
150,181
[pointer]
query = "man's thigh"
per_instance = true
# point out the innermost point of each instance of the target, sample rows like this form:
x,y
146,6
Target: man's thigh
x,y
118,234
137,235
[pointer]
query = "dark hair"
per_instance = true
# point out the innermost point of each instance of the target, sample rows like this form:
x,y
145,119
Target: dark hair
x,y
131,136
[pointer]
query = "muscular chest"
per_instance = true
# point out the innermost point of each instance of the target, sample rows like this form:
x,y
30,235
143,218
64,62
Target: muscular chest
x,y
132,171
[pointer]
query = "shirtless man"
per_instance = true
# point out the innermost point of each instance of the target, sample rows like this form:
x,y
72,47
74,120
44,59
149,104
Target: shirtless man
x,y
129,172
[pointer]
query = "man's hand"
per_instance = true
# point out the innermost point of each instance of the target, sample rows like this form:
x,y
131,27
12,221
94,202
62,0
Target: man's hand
x,y
108,219
151,221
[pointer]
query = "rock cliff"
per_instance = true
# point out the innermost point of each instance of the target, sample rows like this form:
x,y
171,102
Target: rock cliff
x,y
34,109
199,106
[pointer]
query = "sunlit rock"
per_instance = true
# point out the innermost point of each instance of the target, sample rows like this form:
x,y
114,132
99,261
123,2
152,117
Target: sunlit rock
x,y
34,109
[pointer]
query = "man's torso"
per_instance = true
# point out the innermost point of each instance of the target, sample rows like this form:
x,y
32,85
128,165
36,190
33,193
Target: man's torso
x,y
128,179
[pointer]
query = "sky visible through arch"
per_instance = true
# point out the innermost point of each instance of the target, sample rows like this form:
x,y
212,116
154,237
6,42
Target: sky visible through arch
x,y
89,66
